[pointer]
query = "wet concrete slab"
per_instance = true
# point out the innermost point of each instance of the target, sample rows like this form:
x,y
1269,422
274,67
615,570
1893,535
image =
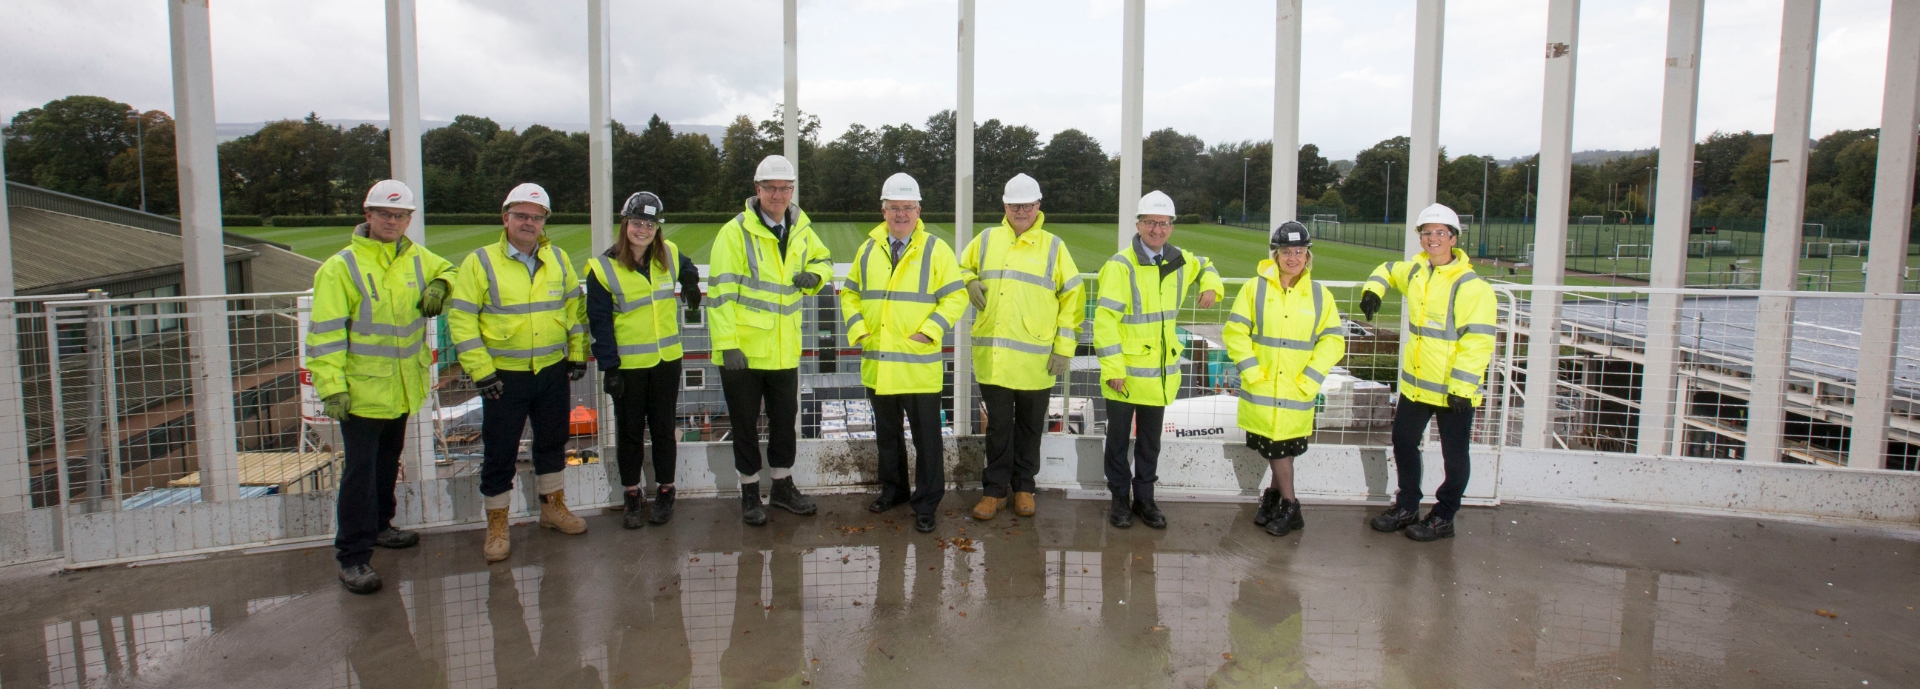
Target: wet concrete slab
x,y
1526,596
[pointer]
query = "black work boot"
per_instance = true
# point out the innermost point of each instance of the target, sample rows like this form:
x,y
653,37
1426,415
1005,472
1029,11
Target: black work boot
x,y
1433,528
360,579
1269,501
1394,519
396,538
750,510
788,497
662,506
634,518
1118,513
1149,513
1286,518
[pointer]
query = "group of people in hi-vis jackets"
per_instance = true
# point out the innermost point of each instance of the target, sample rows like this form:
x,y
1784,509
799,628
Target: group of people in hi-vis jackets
x,y
523,322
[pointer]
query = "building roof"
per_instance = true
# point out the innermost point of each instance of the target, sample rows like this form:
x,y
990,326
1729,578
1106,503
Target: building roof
x,y
56,252
276,269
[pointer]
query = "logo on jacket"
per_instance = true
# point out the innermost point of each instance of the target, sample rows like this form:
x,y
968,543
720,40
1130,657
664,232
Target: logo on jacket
x,y
1195,432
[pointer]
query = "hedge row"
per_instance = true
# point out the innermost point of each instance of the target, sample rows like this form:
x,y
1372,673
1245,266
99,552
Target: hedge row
x,y
687,217
241,221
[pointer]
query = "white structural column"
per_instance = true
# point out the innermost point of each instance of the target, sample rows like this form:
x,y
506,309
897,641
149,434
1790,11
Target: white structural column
x,y
1133,63
1679,108
1886,259
1786,209
792,131
1423,148
1556,178
403,154
209,363
13,436
963,219
600,123
1283,205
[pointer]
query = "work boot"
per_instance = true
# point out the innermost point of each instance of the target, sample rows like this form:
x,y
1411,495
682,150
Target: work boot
x,y
360,579
1149,513
1118,513
633,517
750,510
887,500
1023,504
987,507
555,515
1269,502
662,506
1432,528
1394,519
788,497
396,538
1286,519
923,523
497,546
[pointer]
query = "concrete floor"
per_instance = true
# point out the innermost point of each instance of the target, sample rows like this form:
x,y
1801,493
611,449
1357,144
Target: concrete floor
x,y
1526,596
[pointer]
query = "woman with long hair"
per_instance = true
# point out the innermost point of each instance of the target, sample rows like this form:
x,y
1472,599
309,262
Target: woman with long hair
x,y
636,338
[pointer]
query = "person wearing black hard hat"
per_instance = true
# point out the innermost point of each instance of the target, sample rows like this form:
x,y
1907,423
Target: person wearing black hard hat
x,y
636,339
1284,335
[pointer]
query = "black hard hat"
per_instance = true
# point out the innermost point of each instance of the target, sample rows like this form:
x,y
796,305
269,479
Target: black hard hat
x,y
643,205
1290,233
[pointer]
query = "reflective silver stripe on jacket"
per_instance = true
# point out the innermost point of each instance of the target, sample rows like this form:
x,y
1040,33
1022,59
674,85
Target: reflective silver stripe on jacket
x,y
1015,345
1265,401
665,343
1429,386
1467,377
1113,350
1316,376
1170,370
903,357
756,304
528,353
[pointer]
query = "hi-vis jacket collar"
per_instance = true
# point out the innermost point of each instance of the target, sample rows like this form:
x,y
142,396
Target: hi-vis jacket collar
x,y
880,234
786,222
1173,256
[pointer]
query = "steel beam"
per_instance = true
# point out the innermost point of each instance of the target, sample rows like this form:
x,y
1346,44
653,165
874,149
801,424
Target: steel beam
x,y
14,480
403,153
600,122
1133,64
1887,246
963,218
1786,210
791,31
1550,232
1423,149
1283,204
1679,110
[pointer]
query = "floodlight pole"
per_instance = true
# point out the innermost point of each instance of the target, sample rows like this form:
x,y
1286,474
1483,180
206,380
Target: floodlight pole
x,y
1786,210
1244,163
140,154
1386,198
1484,174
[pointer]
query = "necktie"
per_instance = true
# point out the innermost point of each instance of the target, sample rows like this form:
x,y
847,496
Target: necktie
x,y
898,247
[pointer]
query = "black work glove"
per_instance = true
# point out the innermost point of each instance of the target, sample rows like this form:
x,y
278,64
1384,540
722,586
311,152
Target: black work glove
x,y
733,360
806,280
691,297
1369,305
490,387
576,370
614,383
1459,405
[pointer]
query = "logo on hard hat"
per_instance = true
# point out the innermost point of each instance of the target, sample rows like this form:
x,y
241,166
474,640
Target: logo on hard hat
x,y
393,197
1293,236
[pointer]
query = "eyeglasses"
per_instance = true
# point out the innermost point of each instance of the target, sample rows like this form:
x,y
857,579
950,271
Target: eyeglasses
x,y
900,209
1157,224
1295,252
1436,233
643,224
777,190
1022,207
517,216
391,215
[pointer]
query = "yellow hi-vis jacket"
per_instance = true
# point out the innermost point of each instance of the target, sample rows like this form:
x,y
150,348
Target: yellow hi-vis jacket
x,y
887,303
502,318
1035,306
1134,331
1450,319
366,335
752,304
1284,341
646,316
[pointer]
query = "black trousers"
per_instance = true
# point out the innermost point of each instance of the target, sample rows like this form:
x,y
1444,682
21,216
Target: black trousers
x,y
1142,425
1409,426
1015,421
538,397
647,408
745,390
367,474
922,411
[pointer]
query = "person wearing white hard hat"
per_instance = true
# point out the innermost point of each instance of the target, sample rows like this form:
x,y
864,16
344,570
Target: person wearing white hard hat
x,y
371,302
1443,362
902,294
518,322
1141,291
1024,284
764,263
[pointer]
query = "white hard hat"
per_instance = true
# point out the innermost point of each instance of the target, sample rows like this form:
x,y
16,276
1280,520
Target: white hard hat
x,y
1156,203
775,167
390,193
528,192
1437,213
1021,189
900,187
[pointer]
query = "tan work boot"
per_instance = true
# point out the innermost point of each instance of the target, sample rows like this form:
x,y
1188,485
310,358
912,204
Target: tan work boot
x,y
987,507
1023,504
497,546
555,515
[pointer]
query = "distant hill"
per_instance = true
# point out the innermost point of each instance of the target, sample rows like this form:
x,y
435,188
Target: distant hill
x,y
1594,157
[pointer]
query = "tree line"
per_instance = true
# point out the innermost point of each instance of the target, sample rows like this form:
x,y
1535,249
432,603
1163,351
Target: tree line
x,y
93,147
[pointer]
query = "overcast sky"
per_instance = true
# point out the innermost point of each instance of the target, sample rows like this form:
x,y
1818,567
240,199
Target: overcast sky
x,y
1048,64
